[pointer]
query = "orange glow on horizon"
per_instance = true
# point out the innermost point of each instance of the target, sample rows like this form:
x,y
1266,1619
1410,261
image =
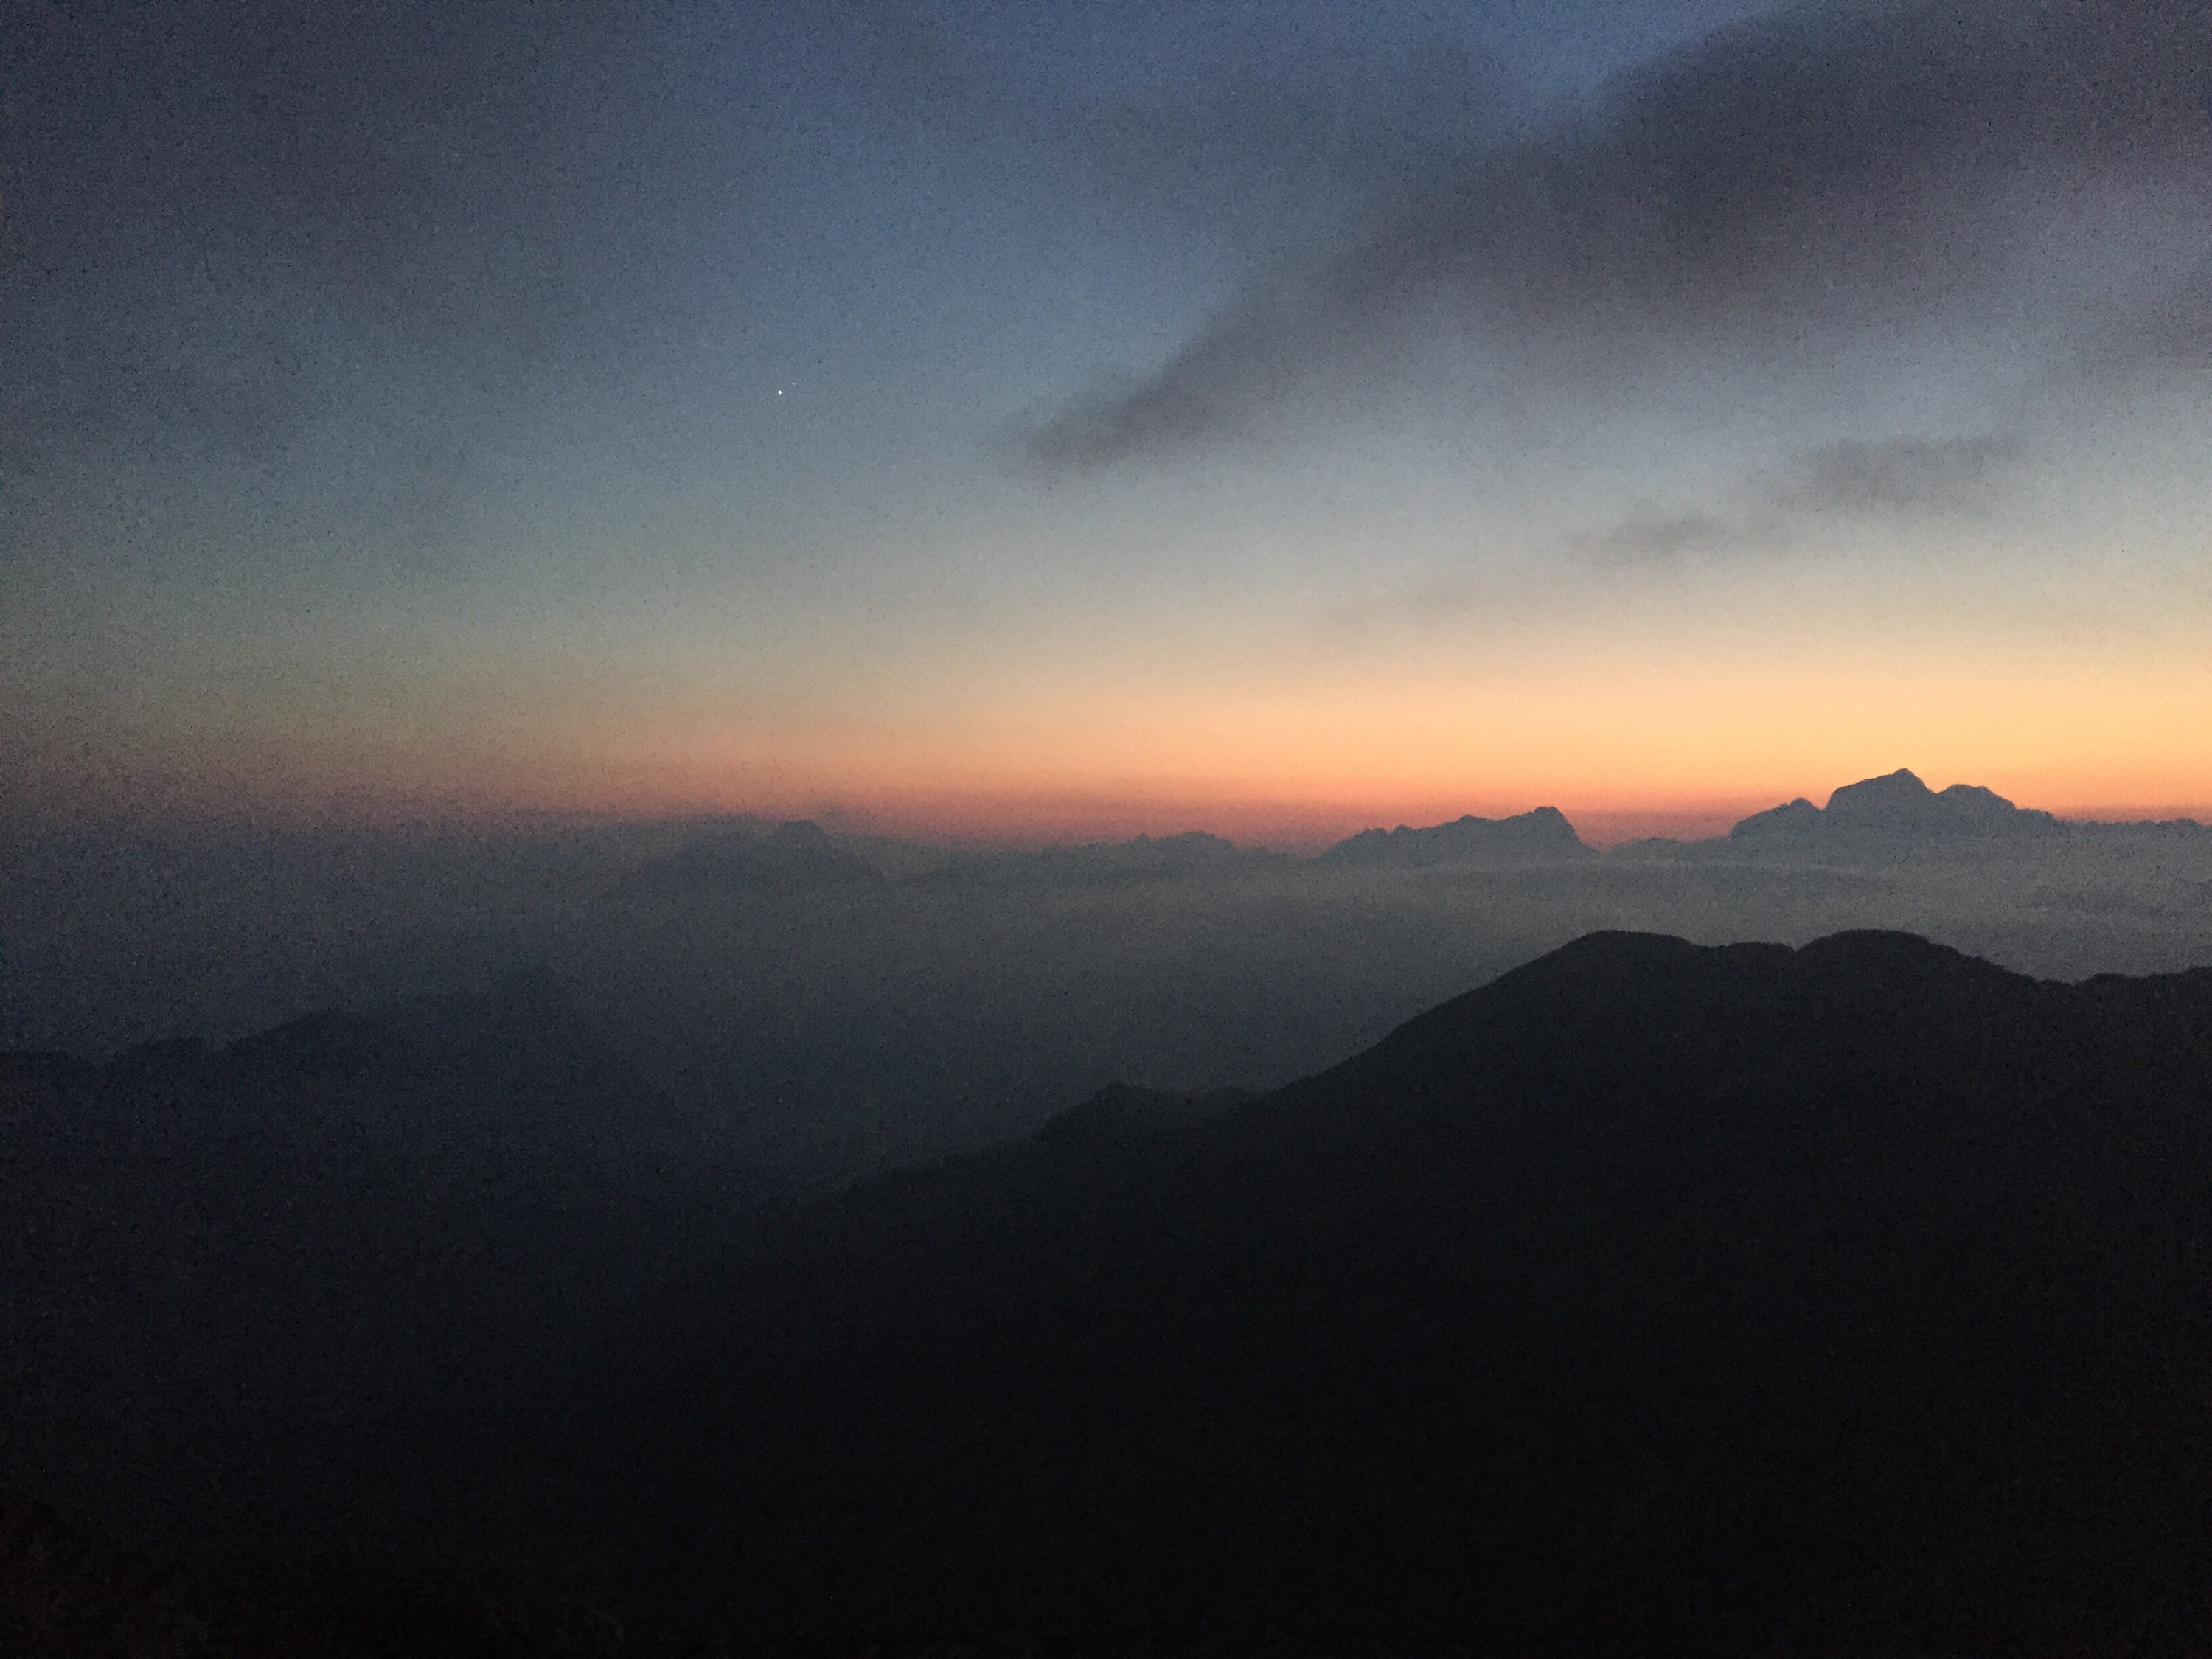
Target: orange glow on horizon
x,y
1001,816
1627,745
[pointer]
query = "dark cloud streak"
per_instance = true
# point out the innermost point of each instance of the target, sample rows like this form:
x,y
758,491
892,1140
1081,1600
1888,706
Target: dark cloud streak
x,y
1898,475
1663,537
1852,478
1821,171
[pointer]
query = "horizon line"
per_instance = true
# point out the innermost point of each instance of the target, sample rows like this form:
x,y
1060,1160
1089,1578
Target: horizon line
x,y
1005,821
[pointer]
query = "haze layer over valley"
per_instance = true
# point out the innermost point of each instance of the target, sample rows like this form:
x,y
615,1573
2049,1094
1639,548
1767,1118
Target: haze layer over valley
x,y
837,1003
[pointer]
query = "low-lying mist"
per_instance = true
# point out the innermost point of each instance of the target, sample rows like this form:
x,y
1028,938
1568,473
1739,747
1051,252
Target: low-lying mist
x,y
844,1003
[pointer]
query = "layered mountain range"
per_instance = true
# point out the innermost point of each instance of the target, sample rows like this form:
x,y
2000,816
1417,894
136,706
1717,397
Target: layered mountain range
x,y
1893,818
1652,1299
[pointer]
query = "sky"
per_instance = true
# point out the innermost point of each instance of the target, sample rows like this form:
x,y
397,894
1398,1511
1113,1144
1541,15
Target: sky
x,y
1005,421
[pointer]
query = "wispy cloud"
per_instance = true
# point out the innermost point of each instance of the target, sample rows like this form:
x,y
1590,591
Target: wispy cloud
x,y
1919,475
1856,168
1657,537
1854,477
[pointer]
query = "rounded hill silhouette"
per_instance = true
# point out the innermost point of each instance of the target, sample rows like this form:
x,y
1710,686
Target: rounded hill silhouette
x,y
1651,1299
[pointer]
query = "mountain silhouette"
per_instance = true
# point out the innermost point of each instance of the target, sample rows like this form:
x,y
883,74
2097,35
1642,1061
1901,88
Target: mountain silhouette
x,y
1897,807
1651,1299
1542,833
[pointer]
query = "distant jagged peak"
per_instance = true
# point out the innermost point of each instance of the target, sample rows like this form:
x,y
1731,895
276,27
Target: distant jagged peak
x,y
1197,843
1897,804
1794,818
1542,833
1902,785
1901,800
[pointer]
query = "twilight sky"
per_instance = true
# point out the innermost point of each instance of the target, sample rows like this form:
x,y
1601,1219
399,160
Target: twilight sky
x,y
1014,418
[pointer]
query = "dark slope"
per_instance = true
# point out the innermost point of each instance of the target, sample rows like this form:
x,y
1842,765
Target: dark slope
x,y
1651,1299
312,1289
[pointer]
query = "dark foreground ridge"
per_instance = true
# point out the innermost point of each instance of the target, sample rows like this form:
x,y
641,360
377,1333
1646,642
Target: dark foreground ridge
x,y
1651,1299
